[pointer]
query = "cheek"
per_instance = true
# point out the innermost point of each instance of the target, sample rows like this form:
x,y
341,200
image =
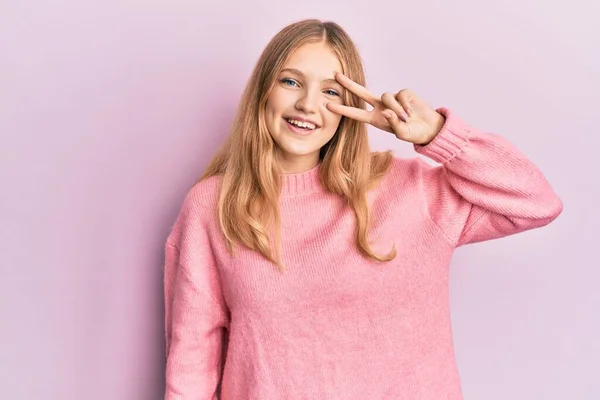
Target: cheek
x,y
276,102
271,115
333,121
269,107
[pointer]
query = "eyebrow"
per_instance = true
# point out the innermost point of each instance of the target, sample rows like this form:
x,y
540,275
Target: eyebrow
x,y
298,72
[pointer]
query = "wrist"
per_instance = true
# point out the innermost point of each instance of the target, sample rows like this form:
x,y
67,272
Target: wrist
x,y
437,124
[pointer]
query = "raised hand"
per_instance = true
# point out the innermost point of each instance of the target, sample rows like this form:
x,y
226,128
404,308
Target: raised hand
x,y
404,114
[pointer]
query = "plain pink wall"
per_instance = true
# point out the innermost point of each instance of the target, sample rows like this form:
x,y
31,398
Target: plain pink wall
x,y
110,109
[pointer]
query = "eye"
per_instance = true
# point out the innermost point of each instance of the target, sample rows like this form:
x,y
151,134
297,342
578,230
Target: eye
x,y
332,92
288,82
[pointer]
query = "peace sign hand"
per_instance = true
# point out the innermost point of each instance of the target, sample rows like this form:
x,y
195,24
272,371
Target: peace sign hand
x,y
403,114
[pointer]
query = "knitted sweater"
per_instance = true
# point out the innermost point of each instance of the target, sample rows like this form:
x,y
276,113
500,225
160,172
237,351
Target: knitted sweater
x,y
336,325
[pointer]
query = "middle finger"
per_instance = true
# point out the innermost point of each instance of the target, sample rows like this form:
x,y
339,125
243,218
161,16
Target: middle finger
x,y
389,100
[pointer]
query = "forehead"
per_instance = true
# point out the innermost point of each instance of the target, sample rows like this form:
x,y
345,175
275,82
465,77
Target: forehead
x,y
315,60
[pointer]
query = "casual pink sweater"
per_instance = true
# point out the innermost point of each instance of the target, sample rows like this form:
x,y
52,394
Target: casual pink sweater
x,y
336,325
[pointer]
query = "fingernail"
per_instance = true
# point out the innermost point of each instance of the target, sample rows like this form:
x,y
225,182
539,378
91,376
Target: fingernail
x,y
387,114
409,111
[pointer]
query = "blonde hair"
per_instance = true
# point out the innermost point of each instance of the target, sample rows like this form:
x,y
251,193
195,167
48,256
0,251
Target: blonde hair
x,y
248,205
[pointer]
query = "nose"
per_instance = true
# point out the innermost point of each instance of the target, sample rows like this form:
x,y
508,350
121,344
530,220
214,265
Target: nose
x,y
308,101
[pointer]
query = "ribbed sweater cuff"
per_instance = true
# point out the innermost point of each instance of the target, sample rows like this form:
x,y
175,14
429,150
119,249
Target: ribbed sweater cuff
x,y
449,142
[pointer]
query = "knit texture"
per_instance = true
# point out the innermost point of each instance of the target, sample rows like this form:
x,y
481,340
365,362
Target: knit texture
x,y
336,325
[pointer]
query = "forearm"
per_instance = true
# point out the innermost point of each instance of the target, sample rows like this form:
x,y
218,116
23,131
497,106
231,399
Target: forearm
x,y
505,189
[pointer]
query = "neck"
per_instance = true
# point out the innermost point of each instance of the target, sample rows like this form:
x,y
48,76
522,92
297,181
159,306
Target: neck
x,y
298,164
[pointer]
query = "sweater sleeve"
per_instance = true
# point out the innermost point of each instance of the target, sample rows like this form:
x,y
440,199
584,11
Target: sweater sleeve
x,y
484,188
195,311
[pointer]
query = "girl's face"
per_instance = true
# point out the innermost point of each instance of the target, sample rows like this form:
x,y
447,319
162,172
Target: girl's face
x,y
295,114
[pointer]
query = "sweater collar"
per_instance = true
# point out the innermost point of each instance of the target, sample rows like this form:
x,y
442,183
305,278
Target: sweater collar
x,y
299,183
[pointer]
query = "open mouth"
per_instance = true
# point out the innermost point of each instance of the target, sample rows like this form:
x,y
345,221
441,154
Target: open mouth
x,y
301,126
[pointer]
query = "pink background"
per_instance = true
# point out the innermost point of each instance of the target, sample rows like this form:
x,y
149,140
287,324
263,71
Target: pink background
x,y
109,110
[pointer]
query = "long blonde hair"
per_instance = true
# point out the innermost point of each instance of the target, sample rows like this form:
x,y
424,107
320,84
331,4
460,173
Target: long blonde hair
x,y
248,205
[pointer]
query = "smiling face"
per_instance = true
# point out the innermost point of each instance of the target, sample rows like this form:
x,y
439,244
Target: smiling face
x,y
295,113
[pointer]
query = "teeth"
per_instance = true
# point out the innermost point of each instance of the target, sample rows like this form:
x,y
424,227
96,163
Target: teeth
x,y
302,124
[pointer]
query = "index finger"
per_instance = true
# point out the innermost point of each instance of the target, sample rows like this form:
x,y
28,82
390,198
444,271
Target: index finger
x,y
350,112
357,89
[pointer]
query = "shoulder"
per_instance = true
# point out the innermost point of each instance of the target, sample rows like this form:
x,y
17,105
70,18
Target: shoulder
x,y
205,193
408,173
198,210
413,178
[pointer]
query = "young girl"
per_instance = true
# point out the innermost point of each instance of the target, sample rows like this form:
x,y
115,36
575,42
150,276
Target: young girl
x,y
304,266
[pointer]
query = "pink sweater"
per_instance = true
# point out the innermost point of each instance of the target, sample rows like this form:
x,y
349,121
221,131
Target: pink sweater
x,y
336,325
